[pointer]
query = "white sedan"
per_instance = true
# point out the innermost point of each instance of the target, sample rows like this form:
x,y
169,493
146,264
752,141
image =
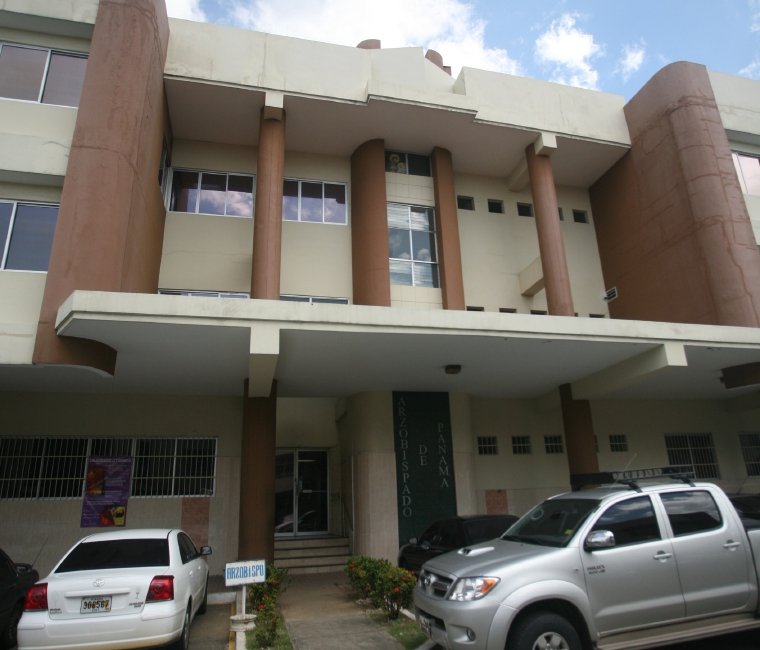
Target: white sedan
x,y
119,589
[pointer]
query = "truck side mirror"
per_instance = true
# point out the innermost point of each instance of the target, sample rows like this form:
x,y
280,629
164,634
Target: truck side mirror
x,y
599,539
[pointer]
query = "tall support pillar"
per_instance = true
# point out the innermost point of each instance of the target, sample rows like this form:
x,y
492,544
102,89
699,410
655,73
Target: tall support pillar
x,y
257,465
579,433
551,246
449,249
369,226
267,222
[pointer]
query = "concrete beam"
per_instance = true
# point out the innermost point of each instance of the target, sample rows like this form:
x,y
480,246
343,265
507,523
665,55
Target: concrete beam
x,y
531,278
262,361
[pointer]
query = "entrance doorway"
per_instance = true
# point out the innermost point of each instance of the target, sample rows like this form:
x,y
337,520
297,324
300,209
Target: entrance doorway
x,y
301,492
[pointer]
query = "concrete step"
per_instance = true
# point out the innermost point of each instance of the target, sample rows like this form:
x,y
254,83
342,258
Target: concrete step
x,y
302,555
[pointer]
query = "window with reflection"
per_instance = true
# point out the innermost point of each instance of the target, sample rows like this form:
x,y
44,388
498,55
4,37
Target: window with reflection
x,y
216,193
314,201
26,235
748,171
412,245
398,162
41,75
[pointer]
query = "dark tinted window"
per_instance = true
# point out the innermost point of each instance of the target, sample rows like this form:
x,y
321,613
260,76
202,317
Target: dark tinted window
x,y
116,554
7,569
631,521
187,550
691,512
432,535
553,522
452,535
481,530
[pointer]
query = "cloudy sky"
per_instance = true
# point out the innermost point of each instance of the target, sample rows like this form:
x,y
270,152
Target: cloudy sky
x,y
609,45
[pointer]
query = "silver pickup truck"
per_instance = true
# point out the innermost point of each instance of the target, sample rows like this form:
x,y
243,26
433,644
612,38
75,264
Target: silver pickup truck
x,y
626,566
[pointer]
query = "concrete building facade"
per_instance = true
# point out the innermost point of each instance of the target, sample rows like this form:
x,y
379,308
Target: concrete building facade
x,y
316,290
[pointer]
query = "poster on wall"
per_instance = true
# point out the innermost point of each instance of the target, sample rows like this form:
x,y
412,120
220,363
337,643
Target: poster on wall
x,y
424,461
106,492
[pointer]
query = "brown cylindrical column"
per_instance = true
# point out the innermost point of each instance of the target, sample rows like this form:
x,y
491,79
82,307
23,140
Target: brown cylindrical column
x,y
579,433
559,298
449,249
110,225
267,222
257,465
672,226
369,226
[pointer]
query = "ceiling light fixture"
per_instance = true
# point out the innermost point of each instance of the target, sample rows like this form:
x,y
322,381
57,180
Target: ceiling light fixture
x,y
453,369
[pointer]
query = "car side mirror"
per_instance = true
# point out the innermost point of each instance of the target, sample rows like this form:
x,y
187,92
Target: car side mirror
x,y
22,568
599,539
413,541
425,546
206,550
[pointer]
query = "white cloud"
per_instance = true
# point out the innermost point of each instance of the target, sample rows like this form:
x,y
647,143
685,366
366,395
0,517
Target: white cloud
x,y
448,26
187,9
752,70
631,60
569,53
754,7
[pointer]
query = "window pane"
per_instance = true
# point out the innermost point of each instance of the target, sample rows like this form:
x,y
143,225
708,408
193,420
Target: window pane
x,y
213,192
21,71
395,162
6,210
399,246
424,246
422,218
401,272
240,196
64,79
184,192
425,275
290,200
32,237
418,165
311,202
335,203
751,172
398,216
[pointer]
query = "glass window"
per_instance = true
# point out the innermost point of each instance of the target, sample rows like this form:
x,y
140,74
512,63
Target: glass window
x,y
65,79
750,444
215,193
691,511
632,521
580,216
525,209
695,452
553,445
521,445
314,202
39,74
398,162
465,203
748,171
496,206
26,235
412,245
618,442
488,446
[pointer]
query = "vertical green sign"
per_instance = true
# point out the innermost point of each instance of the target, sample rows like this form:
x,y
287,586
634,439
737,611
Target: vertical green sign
x,y
424,461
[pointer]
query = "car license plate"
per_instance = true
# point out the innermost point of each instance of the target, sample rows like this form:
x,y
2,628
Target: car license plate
x,y
95,604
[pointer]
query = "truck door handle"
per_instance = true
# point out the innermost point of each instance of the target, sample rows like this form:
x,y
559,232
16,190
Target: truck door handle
x,y
731,545
662,556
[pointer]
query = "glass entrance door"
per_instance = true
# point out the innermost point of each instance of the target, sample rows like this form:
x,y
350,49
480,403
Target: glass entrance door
x,y
301,492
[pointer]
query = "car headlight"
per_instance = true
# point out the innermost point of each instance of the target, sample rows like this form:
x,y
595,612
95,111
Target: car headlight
x,y
472,588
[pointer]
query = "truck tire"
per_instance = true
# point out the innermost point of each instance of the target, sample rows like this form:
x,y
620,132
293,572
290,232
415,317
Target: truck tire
x,y
544,631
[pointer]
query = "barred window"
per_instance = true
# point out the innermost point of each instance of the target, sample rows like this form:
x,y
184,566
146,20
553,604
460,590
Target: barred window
x,y
521,445
55,468
693,451
750,443
553,445
488,446
618,442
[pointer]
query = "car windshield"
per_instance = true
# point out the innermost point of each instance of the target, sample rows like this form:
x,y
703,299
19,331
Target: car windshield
x,y
481,530
116,554
551,523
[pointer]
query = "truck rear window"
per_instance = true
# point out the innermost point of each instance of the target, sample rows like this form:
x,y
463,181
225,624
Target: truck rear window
x,y
116,554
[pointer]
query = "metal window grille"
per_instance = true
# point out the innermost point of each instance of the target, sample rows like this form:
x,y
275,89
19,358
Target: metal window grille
x,y
54,468
695,451
521,445
618,442
750,443
488,446
553,445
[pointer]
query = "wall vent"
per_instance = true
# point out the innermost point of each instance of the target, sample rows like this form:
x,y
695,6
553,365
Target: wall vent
x,y
610,294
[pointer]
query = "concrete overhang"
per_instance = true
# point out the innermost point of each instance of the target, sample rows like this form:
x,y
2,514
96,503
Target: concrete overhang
x,y
211,346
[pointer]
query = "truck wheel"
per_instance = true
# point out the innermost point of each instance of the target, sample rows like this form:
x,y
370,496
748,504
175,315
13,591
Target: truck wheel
x,y
544,631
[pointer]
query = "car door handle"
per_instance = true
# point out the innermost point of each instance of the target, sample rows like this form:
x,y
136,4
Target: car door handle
x,y
661,556
731,545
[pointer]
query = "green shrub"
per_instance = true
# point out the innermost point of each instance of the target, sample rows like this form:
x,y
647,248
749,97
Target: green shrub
x,y
261,600
388,587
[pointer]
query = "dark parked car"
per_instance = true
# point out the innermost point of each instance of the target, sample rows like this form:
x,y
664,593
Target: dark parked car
x,y
450,534
748,507
15,579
